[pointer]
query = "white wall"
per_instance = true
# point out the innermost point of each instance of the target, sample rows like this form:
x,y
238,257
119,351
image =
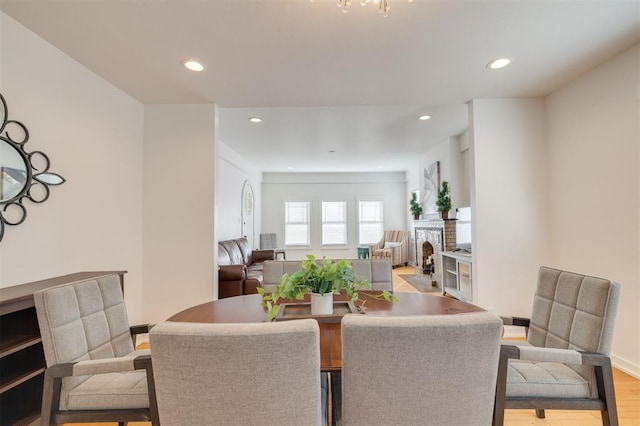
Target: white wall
x,y
232,172
593,133
317,187
92,133
509,202
179,249
454,168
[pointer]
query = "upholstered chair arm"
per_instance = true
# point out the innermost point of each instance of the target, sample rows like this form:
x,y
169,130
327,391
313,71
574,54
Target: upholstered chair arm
x,y
231,272
376,246
517,321
565,356
100,366
262,255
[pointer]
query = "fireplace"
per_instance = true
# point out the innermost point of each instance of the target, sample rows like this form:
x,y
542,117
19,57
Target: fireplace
x,y
431,237
427,258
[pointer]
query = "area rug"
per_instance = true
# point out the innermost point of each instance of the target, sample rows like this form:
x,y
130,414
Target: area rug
x,y
422,283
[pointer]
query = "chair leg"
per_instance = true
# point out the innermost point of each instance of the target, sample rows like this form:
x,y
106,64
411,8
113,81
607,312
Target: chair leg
x,y
501,388
606,391
540,413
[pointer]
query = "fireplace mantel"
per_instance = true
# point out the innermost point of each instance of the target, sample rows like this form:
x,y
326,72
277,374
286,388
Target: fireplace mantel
x,y
441,234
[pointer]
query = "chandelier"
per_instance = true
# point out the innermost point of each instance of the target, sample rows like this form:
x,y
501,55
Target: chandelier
x,y
383,5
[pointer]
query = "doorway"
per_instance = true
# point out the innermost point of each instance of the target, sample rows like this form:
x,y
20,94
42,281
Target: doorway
x,y
248,218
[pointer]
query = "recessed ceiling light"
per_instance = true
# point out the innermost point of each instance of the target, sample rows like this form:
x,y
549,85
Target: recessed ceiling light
x,y
496,64
289,168
380,167
255,119
424,117
192,65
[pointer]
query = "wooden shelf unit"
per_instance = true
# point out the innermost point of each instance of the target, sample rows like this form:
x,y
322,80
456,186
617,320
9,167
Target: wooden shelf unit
x,y
22,361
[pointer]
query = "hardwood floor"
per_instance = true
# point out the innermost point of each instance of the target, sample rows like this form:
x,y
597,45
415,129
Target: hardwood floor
x,y
627,394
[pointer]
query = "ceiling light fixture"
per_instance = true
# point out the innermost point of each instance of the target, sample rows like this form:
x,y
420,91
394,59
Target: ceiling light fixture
x,y
424,117
496,64
383,5
192,65
255,119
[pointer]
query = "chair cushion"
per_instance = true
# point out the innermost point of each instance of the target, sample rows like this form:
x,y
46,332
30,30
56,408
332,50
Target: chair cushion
x,y
109,391
381,254
544,379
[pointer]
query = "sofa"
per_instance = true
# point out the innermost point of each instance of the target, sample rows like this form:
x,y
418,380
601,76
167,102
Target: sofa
x,y
376,271
240,267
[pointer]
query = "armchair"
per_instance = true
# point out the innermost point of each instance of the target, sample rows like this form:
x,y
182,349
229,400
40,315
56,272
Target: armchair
x,y
564,364
93,373
394,246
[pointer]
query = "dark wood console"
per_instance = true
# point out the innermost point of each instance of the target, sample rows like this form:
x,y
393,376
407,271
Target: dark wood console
x,y
22,362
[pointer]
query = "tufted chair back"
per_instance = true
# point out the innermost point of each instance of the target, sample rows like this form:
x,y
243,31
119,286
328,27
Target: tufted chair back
x,y
574,311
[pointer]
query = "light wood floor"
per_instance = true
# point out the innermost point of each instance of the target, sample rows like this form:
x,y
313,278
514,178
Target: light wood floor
x,y
627,394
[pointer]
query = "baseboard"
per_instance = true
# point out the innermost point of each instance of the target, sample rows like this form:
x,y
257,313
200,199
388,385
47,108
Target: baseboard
x,y
513,332
626,366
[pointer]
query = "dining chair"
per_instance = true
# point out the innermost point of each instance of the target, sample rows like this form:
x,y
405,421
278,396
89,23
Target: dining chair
x,y
419,370
238,374
564,364
93,372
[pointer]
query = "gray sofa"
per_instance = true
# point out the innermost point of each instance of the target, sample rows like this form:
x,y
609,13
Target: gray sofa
x,y
376,271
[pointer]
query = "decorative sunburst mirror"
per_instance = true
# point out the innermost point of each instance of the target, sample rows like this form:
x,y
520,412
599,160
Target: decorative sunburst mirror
x,y
23,175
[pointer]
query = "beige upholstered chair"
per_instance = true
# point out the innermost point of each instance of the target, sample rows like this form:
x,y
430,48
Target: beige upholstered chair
x,y
93,372
376,271
419,370
565,362
393,246
220,374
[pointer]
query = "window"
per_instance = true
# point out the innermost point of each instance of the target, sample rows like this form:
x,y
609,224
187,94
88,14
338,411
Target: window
x,y
370,223
296,223
334,223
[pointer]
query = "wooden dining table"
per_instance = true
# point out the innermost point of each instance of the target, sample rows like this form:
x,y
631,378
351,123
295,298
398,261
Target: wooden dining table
x,y
248,308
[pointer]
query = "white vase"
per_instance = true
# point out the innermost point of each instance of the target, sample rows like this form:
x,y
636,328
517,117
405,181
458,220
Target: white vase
x,y
321,304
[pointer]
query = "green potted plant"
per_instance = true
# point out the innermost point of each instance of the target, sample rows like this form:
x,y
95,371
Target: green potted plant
x,y
321,282
444,201
415,207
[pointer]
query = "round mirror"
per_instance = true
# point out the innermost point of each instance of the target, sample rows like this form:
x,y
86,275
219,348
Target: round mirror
x,y
13,172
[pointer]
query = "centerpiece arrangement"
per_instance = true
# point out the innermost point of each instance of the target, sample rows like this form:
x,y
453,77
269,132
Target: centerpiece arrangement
x,y
321,280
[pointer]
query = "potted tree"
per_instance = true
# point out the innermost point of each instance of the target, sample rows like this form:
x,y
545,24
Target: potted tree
x,y
444,201
321,281
415,207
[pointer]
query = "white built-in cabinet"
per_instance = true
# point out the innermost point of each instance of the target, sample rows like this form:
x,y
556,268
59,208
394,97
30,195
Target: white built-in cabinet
x,y
456,275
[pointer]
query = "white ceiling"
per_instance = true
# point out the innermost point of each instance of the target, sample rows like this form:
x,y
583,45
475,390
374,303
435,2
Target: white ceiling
x,y
323,80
